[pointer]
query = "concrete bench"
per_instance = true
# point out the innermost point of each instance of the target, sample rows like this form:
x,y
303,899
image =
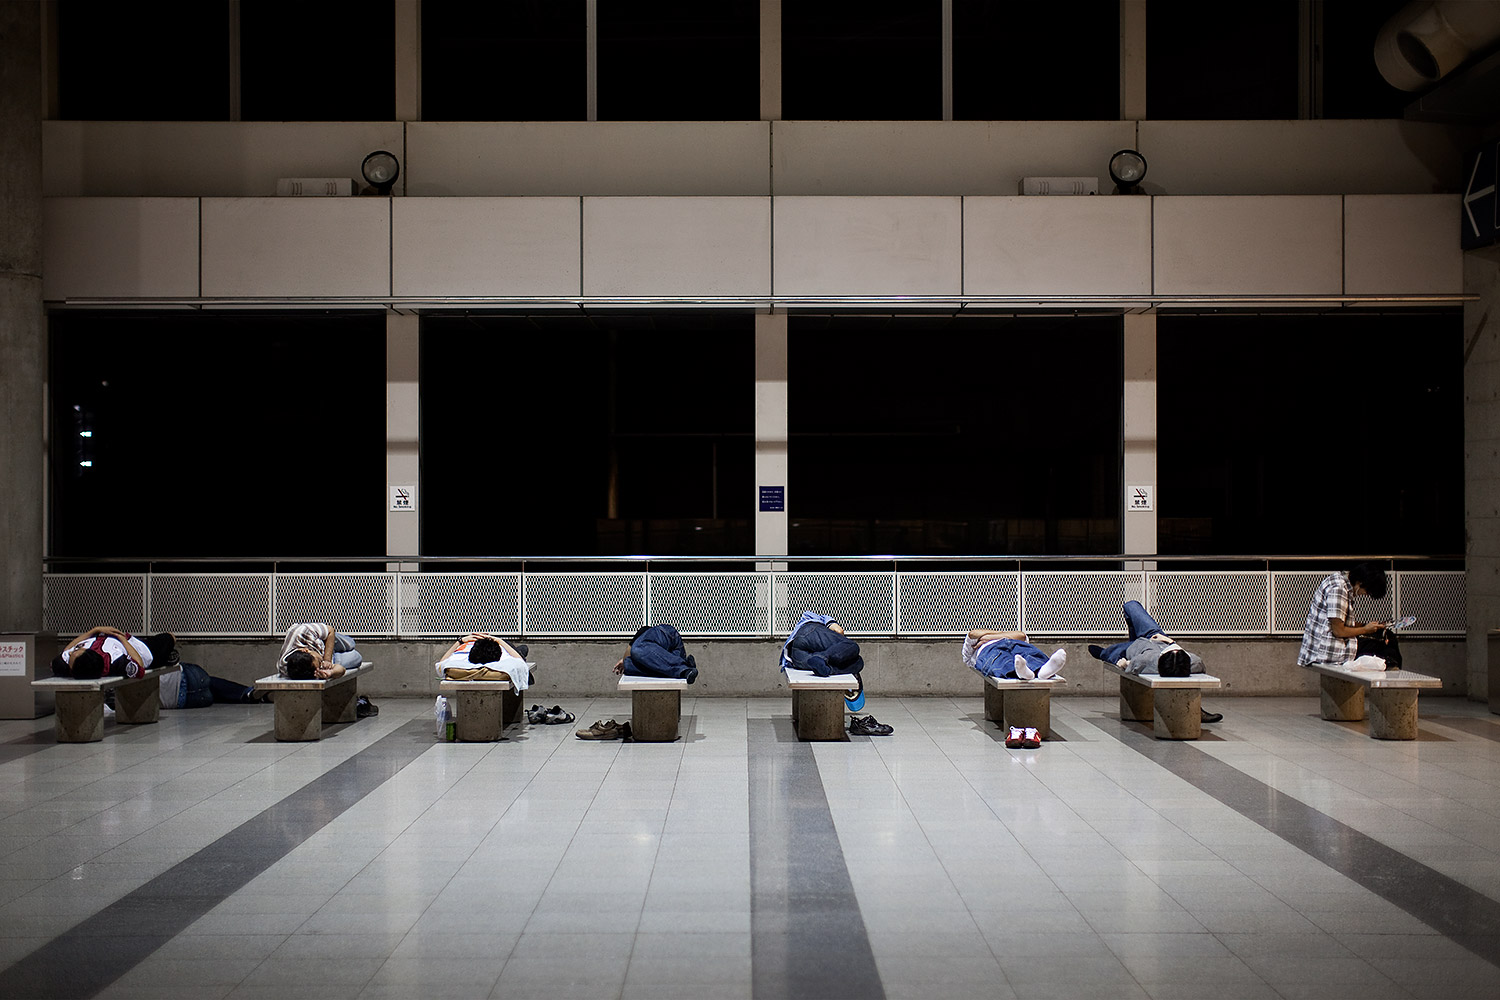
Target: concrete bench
x,y
1173,705
655,707
1015,701
80,703
484,708
303,706
818,703
1392,698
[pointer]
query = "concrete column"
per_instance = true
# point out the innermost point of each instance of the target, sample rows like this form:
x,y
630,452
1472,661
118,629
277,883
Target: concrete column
x,y
1138,427
408,64
1481,461
22,329
1132,60
770,60
402,444
770,432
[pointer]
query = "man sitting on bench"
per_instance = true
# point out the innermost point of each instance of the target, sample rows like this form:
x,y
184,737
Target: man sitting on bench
x,y
1331,634
1149,650
105,651
314,651
1008,654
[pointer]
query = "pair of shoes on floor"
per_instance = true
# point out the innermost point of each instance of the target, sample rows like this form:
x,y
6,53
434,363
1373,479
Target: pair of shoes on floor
x,y
364,708
1023,739
255,697
1208,716
610,730
865,725
554,716
1046,671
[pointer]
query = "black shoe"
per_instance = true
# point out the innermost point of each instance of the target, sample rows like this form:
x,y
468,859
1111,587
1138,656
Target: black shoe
x,y
1211,716
865,725
364,708
521,648
1097,652
555,716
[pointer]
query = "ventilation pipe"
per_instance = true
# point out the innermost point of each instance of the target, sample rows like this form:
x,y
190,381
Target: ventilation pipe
x,y
1425,41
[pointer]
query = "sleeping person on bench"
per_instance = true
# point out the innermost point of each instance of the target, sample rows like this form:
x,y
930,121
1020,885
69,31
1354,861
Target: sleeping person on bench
x,y
480,656
817,644
1009,655
657,651
1149,650
314,651
105,651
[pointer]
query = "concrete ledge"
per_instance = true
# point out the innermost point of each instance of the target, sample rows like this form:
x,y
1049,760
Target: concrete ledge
x,y
1389,697
484,708
1173,705
655,707
303,706
818,704
1015,701
80,703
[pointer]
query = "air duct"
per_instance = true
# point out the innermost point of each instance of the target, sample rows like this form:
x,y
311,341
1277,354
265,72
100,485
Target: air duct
x,y
1425,41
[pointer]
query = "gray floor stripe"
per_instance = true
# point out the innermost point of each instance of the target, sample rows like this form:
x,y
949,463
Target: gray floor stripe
x,y
88,957
808,938
1461,914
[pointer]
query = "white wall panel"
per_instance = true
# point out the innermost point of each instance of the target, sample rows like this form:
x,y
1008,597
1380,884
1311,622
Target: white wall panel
x,y
119,247
1249,246
677,246
868,246
212,159
1057,246
296,246
1395,244
485,246
588,158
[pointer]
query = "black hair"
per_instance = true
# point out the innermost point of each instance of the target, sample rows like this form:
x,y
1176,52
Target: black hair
x,y
88,664
485,651
299,665
162,646
1370,576
60,666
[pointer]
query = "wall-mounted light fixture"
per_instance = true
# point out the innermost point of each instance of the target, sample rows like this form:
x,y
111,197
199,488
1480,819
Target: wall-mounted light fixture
x,y
1127,169
380,171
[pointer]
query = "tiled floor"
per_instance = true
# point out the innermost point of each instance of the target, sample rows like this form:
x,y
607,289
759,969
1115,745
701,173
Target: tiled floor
x,y
1281,856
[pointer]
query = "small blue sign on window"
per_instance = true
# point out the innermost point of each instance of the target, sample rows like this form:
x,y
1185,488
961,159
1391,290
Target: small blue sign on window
x,y
772,498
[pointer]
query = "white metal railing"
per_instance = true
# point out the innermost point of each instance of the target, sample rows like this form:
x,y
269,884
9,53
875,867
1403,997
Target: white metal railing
x,y
898,602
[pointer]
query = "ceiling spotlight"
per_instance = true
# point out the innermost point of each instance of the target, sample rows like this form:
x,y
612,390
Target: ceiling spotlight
x,y
381,170
1127,169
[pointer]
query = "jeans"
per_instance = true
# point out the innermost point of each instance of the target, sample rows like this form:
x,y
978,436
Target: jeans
x,y
825,652
657,651
344,653
199,690
998,658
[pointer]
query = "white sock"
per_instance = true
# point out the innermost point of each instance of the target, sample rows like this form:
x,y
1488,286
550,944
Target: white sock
x,y
1053,665
1022,670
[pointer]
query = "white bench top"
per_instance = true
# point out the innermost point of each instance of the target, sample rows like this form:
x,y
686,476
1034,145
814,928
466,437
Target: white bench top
x,y
1378,678
1158,681
97,683
276,682
632,682
809,681
447,685
1021,683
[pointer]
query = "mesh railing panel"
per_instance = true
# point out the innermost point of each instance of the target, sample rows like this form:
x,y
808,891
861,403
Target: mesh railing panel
x,y
954,603
1437,599
230,604
454,604
1198,603
353,603
1077,603
71,605
583,603
863,603
705,604
1292,594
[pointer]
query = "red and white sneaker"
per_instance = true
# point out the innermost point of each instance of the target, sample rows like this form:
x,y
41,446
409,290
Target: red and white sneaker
x,y
1016,738
1031,739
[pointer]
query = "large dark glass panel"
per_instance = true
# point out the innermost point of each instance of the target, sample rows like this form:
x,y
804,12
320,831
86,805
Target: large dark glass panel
x,y
870,60
166,61
317,61
1311,435
968,435
1209,61
643,442
679,60
217,435
518,60
1352,86
1008,65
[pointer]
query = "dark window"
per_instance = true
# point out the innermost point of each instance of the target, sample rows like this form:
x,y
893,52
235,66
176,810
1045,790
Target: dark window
x,y
1310,435
1352,86
1211,61
519,61
954,435
643,444
870,60
217,435
679,60
167,61
317,61
1007,67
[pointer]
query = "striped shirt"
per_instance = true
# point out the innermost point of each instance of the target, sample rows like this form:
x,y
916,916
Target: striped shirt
x,y
312,637
1319,644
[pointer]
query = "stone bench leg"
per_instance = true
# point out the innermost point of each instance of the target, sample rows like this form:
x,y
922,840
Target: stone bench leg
x,y
1135,702
1179,713
994,704
79,716
1029,709
340,702
818,715
1393,713
479,716
1341,700
299,716
655,716
138,702
511,711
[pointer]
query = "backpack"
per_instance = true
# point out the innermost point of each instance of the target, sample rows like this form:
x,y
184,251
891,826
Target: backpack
x,y
1382,644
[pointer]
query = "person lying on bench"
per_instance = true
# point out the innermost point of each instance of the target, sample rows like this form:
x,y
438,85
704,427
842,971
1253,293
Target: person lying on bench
x,y
1330,637
657,651
105,651
314,651
479,656
1008,654
1149,650
818,644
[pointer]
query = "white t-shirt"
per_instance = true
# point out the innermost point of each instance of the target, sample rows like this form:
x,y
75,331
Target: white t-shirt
x,y
115,650
517,669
